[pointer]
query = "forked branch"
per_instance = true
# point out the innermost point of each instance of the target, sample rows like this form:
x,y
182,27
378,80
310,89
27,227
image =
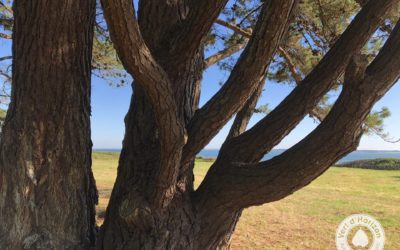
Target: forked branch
x,y
254,143
243,116
138,61
336,136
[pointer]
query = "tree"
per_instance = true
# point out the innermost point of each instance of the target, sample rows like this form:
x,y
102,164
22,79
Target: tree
x,y
154,203
47,191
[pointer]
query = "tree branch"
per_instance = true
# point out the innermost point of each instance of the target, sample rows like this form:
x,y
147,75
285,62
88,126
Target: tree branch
x,y
245,77
254,143
7,8
235,28
201,17
336,136
5,36
138,61
227,52
5,75
383,27
243,117
5,58
223,54
247,34
289,62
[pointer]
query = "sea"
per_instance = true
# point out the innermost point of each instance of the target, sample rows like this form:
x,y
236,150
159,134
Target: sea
x,y
356,155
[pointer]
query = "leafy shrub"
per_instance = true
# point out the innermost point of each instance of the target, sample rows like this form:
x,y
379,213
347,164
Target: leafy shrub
x,y
377,164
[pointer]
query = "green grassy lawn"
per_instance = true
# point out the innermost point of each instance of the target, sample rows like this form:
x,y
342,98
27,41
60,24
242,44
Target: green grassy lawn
x,y
305,220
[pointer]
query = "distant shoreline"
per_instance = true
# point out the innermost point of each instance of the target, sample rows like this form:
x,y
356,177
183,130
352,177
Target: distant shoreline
x,y
361,150
356,155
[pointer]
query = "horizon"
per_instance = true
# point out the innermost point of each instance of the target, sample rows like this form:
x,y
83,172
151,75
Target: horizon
x,y
357,150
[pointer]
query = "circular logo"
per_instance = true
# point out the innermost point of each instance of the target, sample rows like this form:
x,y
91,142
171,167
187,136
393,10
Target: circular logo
x,y
360,231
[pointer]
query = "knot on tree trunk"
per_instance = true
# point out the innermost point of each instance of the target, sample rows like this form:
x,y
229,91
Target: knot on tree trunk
x,y
136,211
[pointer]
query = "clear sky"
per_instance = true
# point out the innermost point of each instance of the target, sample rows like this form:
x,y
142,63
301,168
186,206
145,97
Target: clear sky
x,y
110,104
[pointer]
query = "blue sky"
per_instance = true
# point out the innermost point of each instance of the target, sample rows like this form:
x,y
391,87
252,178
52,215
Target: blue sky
x,y
110,104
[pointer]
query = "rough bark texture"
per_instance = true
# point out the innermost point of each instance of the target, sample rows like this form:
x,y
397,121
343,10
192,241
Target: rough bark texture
x,y
163,51
47,190
133,221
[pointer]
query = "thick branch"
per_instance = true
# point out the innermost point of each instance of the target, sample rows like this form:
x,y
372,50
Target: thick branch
x,y
243,117
245,77
253,144
201,17
138,61
242,185
383,27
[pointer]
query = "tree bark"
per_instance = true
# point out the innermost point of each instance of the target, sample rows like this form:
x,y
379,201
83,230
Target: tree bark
x,y
133,220
47,190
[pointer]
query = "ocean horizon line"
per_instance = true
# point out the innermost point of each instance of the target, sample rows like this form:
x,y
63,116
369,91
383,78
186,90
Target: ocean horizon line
x,y
216,149
353,156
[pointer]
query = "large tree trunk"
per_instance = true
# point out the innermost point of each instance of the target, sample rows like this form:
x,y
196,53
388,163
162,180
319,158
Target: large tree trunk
x,y
131,221
47,190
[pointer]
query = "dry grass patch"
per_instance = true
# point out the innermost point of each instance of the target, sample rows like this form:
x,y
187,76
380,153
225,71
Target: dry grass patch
x,y
305,220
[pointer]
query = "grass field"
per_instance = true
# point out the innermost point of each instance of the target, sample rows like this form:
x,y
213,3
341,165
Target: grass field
x,y
305,220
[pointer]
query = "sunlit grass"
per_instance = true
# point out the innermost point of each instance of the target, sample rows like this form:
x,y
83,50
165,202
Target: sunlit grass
x,y
305,220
